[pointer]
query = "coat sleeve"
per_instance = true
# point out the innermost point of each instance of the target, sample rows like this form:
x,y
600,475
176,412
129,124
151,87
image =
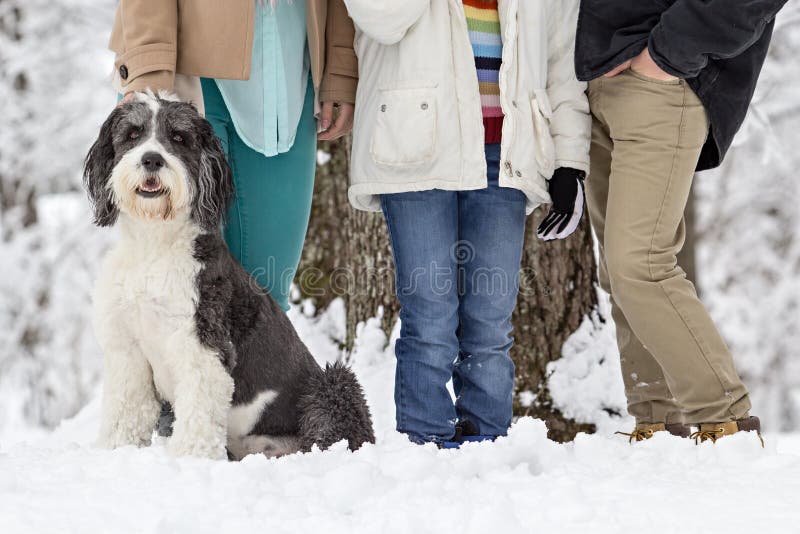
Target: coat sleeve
x,y
386,21
571,123
692,31
340,79
149,33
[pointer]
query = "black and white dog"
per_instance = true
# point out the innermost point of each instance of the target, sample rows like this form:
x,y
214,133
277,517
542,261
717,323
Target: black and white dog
x,y
180,320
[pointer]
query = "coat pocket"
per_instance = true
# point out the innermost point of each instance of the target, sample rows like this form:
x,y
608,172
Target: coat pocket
x,y
544,146
406,125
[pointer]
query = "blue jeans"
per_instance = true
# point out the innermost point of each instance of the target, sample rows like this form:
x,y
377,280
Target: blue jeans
x,y
457,258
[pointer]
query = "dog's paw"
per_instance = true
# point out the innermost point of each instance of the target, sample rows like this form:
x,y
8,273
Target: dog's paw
x,y
197,448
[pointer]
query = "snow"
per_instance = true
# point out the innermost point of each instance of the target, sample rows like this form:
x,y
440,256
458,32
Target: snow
x,y
586,383
57,482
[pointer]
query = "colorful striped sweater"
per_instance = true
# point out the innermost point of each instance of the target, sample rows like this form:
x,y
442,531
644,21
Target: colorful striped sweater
x,y
483,22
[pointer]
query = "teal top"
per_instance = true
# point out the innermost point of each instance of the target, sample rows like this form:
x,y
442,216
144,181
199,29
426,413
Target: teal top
x,y
266,108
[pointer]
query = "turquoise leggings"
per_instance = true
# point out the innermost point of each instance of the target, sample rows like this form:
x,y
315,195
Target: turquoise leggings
x,y
267,223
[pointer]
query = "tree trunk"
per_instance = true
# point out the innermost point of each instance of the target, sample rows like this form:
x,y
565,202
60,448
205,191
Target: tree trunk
x,y
557,291
16,194
347,252
347,255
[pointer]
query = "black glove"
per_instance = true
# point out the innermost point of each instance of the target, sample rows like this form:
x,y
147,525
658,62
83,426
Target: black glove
x,y
566,191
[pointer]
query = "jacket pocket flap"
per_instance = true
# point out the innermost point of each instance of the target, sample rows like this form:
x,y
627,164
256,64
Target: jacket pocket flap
x,y
405,127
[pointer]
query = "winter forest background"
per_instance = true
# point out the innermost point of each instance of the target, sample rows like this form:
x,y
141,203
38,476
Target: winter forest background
x,y
55,92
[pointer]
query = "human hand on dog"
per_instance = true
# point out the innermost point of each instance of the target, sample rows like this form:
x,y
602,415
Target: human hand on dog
x,y
125,99
344,121
566,191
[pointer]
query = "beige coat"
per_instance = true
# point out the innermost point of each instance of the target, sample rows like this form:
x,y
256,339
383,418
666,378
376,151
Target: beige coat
x,y
156,39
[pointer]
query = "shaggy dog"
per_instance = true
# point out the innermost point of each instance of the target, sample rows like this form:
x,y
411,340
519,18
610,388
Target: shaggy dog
x,y
180,320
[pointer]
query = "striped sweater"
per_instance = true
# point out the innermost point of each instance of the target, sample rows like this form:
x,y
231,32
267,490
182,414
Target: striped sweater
x,y
483,23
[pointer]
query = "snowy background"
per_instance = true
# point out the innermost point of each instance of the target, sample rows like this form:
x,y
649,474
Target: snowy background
x,y
54,94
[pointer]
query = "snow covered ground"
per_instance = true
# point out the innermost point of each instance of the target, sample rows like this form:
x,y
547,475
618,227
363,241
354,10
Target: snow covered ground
x,y
57,482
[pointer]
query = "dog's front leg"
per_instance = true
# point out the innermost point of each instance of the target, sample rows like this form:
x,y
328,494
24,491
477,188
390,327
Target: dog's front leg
x,y
130,407
203,394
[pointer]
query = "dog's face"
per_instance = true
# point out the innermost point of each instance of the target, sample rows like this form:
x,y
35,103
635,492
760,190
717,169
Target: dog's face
x,y
160,160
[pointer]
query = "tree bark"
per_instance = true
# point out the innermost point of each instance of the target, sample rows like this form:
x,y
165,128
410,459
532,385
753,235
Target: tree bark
x,y
348,255
557,291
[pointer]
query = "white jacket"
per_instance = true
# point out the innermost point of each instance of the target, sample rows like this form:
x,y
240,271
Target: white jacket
x,y
419,123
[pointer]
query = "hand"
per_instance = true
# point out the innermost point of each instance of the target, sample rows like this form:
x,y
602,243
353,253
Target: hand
x,y
566,191
125,99
344,121
644,65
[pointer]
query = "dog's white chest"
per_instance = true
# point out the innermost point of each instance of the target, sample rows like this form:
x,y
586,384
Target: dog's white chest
x,y
153,293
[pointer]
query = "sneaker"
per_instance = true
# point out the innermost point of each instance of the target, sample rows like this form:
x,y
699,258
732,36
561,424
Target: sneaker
x,y
466,432
469,433
714,431
645,431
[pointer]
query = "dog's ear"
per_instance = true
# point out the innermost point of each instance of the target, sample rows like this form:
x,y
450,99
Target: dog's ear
x,y
214,183
97,169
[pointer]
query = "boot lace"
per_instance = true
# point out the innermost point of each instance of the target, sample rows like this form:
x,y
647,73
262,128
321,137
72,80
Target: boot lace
x,y
703,435
637,435
715,434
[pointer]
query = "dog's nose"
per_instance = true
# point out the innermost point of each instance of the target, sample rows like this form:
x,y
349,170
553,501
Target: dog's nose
x,y
152,161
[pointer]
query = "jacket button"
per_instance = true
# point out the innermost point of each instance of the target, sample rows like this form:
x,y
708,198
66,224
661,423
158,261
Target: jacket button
x,y
424,106
123,72
383,108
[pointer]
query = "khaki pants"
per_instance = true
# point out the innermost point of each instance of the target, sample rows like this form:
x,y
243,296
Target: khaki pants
x,y
646,141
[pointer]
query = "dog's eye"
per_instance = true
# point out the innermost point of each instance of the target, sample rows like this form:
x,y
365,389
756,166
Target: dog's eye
x,y
178,138
134,134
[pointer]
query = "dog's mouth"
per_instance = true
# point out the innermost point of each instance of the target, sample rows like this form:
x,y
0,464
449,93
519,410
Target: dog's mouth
x,y
151,188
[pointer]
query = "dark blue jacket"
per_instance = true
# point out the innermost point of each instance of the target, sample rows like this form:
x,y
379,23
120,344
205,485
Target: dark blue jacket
x,y
717,46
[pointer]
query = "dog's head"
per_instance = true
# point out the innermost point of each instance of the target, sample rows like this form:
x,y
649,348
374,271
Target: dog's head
x,y
158,159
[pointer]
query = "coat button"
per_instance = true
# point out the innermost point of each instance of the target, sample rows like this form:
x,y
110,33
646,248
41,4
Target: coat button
x,y
519,174
383,108
424,106
123,72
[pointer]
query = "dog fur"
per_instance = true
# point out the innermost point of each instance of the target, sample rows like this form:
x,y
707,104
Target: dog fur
x,y
180,320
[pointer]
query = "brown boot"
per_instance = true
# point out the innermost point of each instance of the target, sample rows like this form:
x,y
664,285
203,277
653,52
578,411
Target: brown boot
x,y
645,431
715,431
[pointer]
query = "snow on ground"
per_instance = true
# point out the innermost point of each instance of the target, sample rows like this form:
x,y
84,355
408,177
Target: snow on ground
x,y
59,483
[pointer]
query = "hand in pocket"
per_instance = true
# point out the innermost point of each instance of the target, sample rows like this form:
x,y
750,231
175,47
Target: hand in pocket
x,y
643,64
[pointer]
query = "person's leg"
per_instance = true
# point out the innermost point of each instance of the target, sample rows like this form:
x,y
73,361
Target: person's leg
x,y
649,397
217,113
423,226
658,130
491,239
266,226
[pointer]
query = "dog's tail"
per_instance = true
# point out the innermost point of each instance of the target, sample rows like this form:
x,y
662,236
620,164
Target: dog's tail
x,y
333,409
